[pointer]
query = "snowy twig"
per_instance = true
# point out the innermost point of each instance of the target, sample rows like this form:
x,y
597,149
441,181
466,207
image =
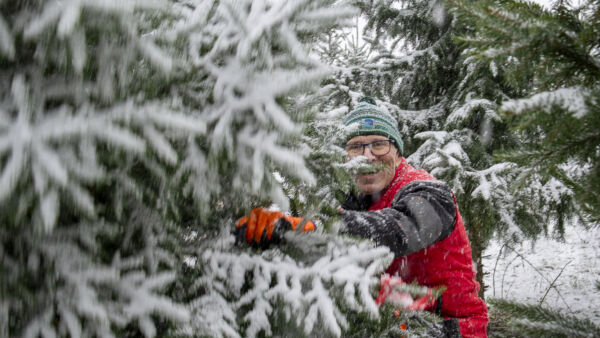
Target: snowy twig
x,y
552,284
494,272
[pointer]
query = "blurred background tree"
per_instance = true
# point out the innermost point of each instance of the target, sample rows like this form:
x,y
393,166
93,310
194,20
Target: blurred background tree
x,y
551,58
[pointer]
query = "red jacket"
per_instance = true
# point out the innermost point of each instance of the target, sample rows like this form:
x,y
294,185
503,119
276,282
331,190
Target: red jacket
x,y
446,262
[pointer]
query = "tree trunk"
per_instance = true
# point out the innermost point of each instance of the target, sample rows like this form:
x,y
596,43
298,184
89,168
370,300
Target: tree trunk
x,y
477,249
477,258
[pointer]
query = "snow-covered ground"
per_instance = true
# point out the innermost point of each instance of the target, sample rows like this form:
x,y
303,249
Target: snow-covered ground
x,y
526,276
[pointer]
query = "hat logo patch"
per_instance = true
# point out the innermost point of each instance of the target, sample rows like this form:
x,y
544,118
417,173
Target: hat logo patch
x,y
367,123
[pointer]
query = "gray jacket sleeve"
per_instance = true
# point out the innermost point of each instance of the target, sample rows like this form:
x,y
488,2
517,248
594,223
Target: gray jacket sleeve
x,y
422,213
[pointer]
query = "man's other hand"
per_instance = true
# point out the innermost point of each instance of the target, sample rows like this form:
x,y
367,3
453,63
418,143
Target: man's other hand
x,y
263,226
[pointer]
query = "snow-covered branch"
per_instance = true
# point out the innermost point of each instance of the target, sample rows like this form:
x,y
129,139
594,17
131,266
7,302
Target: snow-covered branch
x,y
571,99
305,293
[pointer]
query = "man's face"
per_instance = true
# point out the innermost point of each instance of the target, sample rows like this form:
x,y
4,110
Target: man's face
x,y
374,183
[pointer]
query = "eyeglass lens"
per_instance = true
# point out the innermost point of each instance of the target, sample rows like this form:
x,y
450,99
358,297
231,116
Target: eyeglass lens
x,y
379,148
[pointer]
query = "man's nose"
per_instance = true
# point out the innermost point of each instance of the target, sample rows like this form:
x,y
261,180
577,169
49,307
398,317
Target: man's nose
x,y
368,154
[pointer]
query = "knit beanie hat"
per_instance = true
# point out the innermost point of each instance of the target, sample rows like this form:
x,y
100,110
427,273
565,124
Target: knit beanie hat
x,y
372,120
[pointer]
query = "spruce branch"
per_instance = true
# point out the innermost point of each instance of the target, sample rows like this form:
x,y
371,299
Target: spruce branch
x,y
539,322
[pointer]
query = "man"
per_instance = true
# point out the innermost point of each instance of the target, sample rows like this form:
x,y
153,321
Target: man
x,y
408,211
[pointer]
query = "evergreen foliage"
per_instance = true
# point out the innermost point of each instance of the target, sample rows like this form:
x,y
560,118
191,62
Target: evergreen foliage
x,y
396,324
551,59
446,103
274,293
450,102
513,319
132,135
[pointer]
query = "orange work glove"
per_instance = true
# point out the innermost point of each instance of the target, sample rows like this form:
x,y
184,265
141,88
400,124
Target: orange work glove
x,y
265,226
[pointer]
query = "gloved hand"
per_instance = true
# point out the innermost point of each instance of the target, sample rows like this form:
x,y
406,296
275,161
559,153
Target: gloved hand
x,y
264,226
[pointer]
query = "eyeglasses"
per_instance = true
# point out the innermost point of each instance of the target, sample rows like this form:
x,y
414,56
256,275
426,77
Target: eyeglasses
x,y
377,148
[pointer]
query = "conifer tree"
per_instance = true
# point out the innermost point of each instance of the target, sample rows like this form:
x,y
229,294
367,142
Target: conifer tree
x,y
446,103
132,135
551,59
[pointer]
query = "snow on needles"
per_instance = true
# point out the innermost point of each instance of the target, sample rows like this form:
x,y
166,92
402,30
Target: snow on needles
x,y
491,179
103,139
571,99
464,112
58,147
307,292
